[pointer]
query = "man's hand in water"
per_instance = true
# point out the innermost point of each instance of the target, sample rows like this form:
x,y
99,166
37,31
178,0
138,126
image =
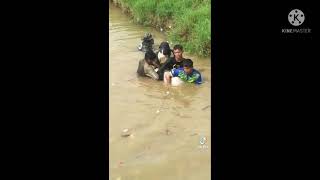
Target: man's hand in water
x,y
167,77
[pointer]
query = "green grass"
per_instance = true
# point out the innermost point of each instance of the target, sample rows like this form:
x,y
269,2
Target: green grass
x,y
190,20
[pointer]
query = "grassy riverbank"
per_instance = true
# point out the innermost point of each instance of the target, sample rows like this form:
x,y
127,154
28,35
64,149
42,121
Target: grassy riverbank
x,y
188,22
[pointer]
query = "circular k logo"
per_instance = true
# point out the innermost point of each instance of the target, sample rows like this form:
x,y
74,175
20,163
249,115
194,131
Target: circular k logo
x,y
296,17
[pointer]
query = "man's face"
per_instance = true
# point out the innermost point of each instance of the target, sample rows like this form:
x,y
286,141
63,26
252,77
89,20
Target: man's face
x,y
178,54
188,70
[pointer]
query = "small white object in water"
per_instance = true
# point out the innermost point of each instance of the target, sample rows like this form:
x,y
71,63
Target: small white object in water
x,y
158,111
161,29
113,84
170,26
167,92
140,46
125,133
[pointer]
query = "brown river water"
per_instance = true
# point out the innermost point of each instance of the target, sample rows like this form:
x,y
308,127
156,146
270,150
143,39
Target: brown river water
x,y
165,123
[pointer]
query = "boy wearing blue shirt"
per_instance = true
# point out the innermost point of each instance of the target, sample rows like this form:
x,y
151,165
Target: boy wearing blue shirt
x,y
186,73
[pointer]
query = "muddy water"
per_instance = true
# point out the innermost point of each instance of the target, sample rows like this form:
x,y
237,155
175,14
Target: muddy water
x,y
165,123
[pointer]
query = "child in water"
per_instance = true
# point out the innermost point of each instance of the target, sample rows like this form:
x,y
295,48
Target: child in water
x,y
184,74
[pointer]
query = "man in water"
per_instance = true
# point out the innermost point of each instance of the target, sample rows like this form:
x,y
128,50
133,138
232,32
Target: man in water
x,y
148,64
183,74
172,62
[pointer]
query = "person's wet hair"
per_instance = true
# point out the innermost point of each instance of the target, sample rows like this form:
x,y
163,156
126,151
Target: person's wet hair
x,y
187,63
150,55
178,46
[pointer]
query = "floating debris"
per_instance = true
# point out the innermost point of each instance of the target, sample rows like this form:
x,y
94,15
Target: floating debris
x,y
168,132
157,111
139,155
206,107
120,164
131,79
125,133
167,92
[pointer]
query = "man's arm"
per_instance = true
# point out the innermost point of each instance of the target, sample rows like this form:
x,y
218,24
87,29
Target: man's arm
x,y
140,69
152,73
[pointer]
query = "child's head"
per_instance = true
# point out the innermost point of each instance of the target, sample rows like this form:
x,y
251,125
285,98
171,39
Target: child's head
x,y
187,66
